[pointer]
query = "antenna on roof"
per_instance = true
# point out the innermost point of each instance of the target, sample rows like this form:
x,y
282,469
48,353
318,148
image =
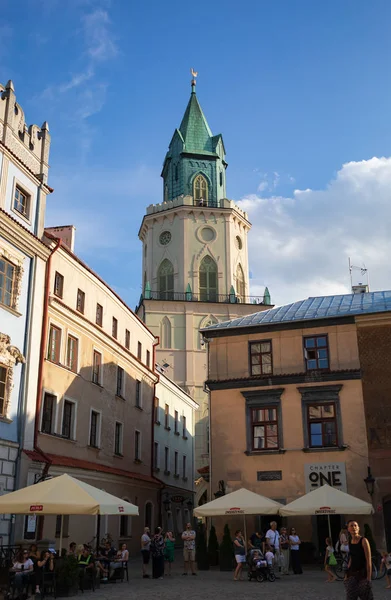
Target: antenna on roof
x,y
361,284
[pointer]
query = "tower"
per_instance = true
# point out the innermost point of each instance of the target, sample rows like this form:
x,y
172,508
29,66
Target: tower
x,y
195,260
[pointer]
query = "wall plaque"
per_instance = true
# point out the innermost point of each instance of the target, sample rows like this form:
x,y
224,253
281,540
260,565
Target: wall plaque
x,y
269,475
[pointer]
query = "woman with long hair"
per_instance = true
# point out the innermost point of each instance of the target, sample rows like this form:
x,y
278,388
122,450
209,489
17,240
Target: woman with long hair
x,y
240,554
169,550
157,551
295,542
358,578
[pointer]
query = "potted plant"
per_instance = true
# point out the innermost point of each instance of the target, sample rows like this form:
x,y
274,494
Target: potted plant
x,y
201,549
226,551
213,548
67,576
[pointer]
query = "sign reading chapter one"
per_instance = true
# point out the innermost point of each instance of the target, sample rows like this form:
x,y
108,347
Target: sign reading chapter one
x,y
317,474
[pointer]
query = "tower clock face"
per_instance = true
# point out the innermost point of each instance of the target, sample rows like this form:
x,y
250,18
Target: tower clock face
x,y
165,238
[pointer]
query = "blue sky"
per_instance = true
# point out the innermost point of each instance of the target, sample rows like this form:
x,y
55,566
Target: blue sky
x,y
300,90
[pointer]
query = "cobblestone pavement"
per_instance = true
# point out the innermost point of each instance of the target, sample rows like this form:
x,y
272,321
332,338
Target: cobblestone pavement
x,y
215,584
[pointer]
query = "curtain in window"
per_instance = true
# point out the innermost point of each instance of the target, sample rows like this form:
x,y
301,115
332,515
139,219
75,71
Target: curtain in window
x,y
166,280
208,280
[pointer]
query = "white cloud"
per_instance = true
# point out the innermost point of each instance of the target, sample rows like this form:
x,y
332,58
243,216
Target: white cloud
x,y
99,37
299,246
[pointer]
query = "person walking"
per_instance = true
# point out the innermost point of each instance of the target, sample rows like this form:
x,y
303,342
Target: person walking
x,y
169,551
295,542
285,551
157,551
329,561
189,537
358,579
146,550
343,543
273,540
240,554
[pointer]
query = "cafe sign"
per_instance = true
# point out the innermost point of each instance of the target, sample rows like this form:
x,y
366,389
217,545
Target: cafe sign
x,y
317,474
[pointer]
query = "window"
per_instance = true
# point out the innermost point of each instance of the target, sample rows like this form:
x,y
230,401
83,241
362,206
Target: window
x,y
137,445
22,202
148,359
7,282
127,338
68,420
99,315
322,425
156,456
80,301
200,189
97,367
167,416
49,402
240,284
139,350
184,431
166,280
261,358
54,344
58,285
156,411
115,328
265,428
94,429
166,461
208,280
118,439
123,526
165,335
316,352
120,382
72,353
176,423
184,467
3,387
138,393
176,474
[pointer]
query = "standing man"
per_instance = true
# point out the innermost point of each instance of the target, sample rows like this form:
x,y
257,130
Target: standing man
x,y
146,550
189,536
273,539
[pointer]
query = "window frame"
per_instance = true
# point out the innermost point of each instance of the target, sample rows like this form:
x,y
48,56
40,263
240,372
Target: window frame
x,y
326,347
167,465
264,424
21,189
322,421
127,339
58,287
156,456
120,390
261,399
72,426
156,408
3,411
114,328
176,463
74,367
80,294
208,293
97,380
176,422
98,427
14,283
53,413
57,356
137,445
260,354
99,315
317,395
167,417
138,396
139,350
119,442
184,467
184,428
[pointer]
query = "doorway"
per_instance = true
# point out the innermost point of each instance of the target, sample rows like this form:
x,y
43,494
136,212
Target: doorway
x,y
323,529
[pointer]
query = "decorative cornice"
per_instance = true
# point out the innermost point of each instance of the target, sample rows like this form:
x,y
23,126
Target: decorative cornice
x,y
292,379
21,237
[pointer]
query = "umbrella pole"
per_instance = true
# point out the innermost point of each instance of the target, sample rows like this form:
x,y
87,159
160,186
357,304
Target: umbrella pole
x,y
245,530
97,532
61,532
328,519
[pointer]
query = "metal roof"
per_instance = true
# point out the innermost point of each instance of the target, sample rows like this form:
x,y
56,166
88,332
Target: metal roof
x,y
321,307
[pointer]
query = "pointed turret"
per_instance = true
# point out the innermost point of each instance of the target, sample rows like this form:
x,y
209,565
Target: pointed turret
x,y
194,127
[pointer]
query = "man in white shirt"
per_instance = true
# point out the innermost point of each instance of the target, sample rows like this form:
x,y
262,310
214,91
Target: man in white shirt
x,y
273,539
189,537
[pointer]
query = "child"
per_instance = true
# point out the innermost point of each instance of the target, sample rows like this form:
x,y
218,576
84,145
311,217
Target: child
x,y
386,564
329,553
258,559
269,556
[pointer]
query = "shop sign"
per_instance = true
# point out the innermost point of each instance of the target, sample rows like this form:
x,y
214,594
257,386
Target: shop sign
x,y
36,508
317,474
177,499
234,511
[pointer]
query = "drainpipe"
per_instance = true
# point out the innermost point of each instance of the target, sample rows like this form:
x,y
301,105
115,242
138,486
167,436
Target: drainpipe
x,y
155,343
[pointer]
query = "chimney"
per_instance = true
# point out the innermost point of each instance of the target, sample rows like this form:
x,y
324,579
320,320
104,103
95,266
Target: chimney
x,y
66,233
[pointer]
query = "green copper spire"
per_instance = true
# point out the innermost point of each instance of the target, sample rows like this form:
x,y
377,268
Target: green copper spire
x,y
194,151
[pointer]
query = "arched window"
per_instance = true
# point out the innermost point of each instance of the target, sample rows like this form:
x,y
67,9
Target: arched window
x,y
240,283
166,280
208,280
200,190
165,333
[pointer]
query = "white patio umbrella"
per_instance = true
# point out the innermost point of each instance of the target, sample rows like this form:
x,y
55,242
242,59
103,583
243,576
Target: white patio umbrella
x,y
242,502
64,495
326,500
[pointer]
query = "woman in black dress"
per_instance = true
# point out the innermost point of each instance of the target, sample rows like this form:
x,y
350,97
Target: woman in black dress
x,y
358,580
157,551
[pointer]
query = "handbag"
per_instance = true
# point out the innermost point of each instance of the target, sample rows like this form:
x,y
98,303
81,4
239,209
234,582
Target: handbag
x,y
332,560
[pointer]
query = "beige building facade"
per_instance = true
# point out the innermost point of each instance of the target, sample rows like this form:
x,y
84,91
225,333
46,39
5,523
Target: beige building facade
x,y
292,388
93,414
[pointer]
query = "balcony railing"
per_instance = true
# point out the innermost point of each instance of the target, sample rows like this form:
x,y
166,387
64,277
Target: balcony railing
x,y
205,297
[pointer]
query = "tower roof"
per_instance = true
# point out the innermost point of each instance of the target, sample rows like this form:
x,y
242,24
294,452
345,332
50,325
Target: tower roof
x,y
194,127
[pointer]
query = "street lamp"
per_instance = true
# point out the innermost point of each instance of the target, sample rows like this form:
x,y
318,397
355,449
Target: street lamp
x,y
370,482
